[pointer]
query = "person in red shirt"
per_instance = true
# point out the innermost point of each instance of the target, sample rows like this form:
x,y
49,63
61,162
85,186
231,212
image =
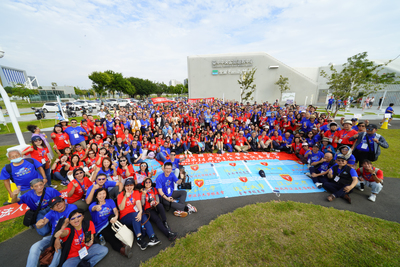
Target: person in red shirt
x,y
330,134
228,140
87,129
75,164
39,151
80,152
61,139
131,214
118,128
64,124
99,129
240,144
370,176
151,204
60,168
125,170
127,137
342,136
78,227
276,141
77,189
263,139
97,140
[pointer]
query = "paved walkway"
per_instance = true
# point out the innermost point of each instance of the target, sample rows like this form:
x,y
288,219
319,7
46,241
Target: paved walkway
x,y
14,252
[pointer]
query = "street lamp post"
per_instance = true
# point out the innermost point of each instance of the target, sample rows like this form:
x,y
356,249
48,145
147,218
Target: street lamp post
x,y
11,113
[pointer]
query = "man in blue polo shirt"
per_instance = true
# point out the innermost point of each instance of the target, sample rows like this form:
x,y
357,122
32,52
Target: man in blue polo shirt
x,y
112,187
175,162
32,200
22,172
389,110
76,134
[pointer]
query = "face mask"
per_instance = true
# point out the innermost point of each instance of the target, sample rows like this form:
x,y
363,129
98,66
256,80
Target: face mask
x,y
17,160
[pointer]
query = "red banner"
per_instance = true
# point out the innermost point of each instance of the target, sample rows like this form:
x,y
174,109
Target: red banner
x,y
215,158
15,210
195,100
158,100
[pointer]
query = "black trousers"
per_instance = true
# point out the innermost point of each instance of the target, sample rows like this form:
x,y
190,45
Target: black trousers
x,y
155,218
109,236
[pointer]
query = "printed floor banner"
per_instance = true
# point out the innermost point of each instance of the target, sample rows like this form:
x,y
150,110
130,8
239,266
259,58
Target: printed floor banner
x,y
226,175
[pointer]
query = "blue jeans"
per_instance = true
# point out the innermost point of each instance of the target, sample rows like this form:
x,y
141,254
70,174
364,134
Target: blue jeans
x,y
35,251
228,147
48,174
58,176
95,254
276,145
186,147
47,228
336,188
160,156
130,221
329,106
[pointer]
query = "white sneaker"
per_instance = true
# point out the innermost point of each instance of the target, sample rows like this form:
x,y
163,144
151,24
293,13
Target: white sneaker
x,y
308,174
380,123
191,209
190,153
372,197
318,185
389,124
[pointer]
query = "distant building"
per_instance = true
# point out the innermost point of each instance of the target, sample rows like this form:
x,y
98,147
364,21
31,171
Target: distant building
x,y
174,82
185,81
12,76
217,75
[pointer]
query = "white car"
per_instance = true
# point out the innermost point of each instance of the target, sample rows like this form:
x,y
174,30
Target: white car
x,y
50,107
92,104
123,102
80,104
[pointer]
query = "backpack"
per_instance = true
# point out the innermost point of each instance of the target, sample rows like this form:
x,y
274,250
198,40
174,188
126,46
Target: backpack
x,y
9,168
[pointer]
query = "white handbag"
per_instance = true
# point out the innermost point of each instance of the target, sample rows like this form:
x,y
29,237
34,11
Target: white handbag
x,y
123,233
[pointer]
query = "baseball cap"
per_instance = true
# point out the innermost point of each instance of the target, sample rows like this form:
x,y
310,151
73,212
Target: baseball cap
x,y
129,181
354,119
35,138
304,144
341,156
54,201
349,122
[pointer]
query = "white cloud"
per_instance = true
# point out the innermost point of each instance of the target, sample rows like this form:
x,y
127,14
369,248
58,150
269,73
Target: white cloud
x,y
64,41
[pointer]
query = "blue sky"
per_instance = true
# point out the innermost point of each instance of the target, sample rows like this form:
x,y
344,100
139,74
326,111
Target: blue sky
x,y
65,40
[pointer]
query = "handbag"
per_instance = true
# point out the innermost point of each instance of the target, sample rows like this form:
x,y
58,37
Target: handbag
x,y
30,215
47,256
123,233
187,185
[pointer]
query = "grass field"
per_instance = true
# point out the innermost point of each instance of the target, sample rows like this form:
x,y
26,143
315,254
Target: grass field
x,y
388,162
287,234
23,104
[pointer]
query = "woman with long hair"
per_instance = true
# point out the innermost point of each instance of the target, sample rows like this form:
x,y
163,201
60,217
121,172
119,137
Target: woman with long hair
x,y
104,214
131,214
39,151
61,139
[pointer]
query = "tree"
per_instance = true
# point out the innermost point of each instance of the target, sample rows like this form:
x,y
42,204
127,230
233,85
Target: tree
x,y
53,84
78,91
161,89
359,76
100,81
22,91
247,87
283,84
143,87
119,84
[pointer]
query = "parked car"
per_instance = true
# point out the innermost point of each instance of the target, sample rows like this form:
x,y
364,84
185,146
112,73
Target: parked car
x,y
50,107
123,102
92,103
80,103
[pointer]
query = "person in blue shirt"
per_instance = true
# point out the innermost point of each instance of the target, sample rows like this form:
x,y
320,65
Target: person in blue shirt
x,y
168,196
330,103
136,153
319,172
104,213
32,200
389,110
342,180
164,152
313,157
346,152
144,124
113,188
76,134
22,172
175,162
166,128
58,209
109,125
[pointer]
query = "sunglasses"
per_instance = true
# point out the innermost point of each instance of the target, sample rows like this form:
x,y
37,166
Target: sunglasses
x,y
340,160
79,173
101,179
148,182
370,129
123,160
73,122
77,217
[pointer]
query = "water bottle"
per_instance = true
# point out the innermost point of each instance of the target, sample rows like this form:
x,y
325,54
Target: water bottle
x,y
102,240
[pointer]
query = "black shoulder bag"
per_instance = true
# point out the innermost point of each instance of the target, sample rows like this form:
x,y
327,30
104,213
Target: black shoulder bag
x,y
187,185
30,215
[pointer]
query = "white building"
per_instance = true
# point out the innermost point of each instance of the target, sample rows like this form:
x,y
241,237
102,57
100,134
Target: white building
x,y
217,76
12,76
174,82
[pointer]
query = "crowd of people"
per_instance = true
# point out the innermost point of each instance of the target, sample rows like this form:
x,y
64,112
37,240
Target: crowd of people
x,y
95,160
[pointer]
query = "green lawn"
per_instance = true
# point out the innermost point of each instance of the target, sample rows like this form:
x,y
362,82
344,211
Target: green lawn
x,y
23,104
287,234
